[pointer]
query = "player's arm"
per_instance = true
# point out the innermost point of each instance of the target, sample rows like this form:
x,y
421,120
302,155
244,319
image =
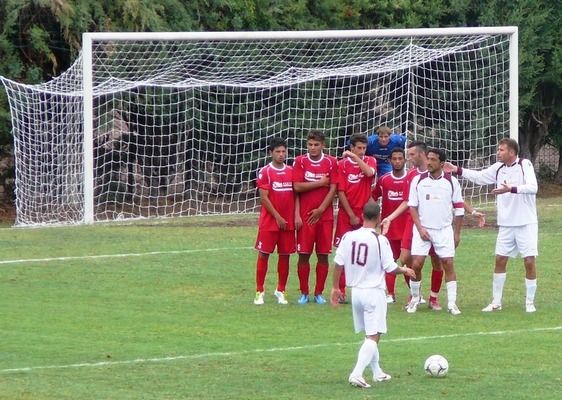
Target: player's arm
x,y
301,187
336,293
315,214
344,203
485,177
385,223
416,218
298,219
458,210
266,202
367,170
388,263
475,213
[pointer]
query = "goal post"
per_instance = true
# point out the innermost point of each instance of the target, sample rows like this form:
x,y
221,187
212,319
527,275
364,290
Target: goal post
x,y
171,124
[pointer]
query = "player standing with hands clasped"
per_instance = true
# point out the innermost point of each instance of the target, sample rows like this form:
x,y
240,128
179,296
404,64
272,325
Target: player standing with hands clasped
x,y
434,197
277,219
366,256
516,189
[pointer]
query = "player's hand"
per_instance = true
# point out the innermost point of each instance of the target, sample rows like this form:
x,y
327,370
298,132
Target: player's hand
x,y
409,272
424,234
450,168
385,224
335,295
349,154
298,222
281,223
481,218
314,216
325,180
354,220
504,188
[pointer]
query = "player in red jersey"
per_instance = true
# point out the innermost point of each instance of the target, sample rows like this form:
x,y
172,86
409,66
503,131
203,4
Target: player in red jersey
x,y
277,219
390,189
315,181
356,175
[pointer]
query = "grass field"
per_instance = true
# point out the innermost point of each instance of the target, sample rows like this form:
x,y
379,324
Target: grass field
x,y
164,311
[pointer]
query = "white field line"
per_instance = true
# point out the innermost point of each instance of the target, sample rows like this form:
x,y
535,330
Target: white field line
x,y
270,350
123,255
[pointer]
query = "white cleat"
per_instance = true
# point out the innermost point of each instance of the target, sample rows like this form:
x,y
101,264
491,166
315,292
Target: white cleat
x,y
530,307
422,300
453,309
258,300
412,305
358,381
390,299
381,376
492,307
280,297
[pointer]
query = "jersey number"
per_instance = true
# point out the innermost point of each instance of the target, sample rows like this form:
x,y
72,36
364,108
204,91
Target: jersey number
x,y
359,253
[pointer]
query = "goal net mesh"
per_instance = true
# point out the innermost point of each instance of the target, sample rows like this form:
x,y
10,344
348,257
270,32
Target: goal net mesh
x,y
181,127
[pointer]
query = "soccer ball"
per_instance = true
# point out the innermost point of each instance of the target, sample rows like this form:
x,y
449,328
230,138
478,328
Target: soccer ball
x,y
436,365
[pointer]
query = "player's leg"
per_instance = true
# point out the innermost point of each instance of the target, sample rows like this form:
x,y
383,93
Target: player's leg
x,y
505,247
451,284
285,247
342,227
527,242
323,250
444,245
390,279
436,281
265,244
420,249
305,243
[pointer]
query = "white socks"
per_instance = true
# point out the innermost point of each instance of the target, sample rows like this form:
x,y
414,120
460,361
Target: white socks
x,y
415,289
531,285
451,293
366,353
497,288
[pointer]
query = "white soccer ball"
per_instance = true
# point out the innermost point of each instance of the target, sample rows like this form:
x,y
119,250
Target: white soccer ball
x,y
436,365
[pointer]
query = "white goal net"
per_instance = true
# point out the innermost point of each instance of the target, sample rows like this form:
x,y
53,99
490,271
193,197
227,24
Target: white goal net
x,y
165,125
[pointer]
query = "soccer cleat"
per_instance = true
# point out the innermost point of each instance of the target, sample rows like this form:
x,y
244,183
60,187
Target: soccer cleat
x,y
319,299
358,381
492,307
422,300
390,298
434,305
453,309
530,307
303,299
381,376
258,300
412,305
280,297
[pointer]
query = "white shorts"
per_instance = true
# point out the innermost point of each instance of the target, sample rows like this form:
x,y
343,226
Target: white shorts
x,y
443,241
369,310
513,240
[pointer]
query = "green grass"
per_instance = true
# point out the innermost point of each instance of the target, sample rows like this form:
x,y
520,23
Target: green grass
x,y
180,323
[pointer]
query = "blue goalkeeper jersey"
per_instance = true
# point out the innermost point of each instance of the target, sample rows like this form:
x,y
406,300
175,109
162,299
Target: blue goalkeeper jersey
x,y
382,154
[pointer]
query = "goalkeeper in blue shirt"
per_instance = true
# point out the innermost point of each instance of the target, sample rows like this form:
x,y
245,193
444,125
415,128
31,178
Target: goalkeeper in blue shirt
x,y
381,144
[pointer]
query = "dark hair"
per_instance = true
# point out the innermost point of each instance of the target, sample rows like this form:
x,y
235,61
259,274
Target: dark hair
x,y
276,142
440,153
358,138
510,143
398,150
420,146
316,134
371,210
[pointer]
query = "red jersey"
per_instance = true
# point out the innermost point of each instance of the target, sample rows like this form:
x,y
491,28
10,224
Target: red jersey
x,y
307,170
354,183
391,189
279,183
406,193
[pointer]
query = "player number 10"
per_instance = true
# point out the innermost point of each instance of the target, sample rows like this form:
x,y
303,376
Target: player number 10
x,y
359,253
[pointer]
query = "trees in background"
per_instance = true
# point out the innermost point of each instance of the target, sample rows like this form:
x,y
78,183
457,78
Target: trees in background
x,y
41,38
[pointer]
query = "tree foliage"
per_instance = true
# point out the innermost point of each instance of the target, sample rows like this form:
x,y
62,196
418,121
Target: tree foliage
x,y
41,38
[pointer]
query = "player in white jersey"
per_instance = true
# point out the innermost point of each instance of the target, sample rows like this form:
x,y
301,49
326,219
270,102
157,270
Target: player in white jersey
x,y
434,198
366,256
516,189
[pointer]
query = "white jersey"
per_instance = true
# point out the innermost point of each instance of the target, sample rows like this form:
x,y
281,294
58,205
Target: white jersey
x,y
437,199
519,207
365,256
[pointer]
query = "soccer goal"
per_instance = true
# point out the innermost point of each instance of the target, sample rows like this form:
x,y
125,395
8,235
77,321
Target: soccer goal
x,y
150,125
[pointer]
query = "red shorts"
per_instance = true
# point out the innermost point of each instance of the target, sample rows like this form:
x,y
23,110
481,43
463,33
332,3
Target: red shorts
x,y
284,240
343,226
319,234
395,246
406,242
